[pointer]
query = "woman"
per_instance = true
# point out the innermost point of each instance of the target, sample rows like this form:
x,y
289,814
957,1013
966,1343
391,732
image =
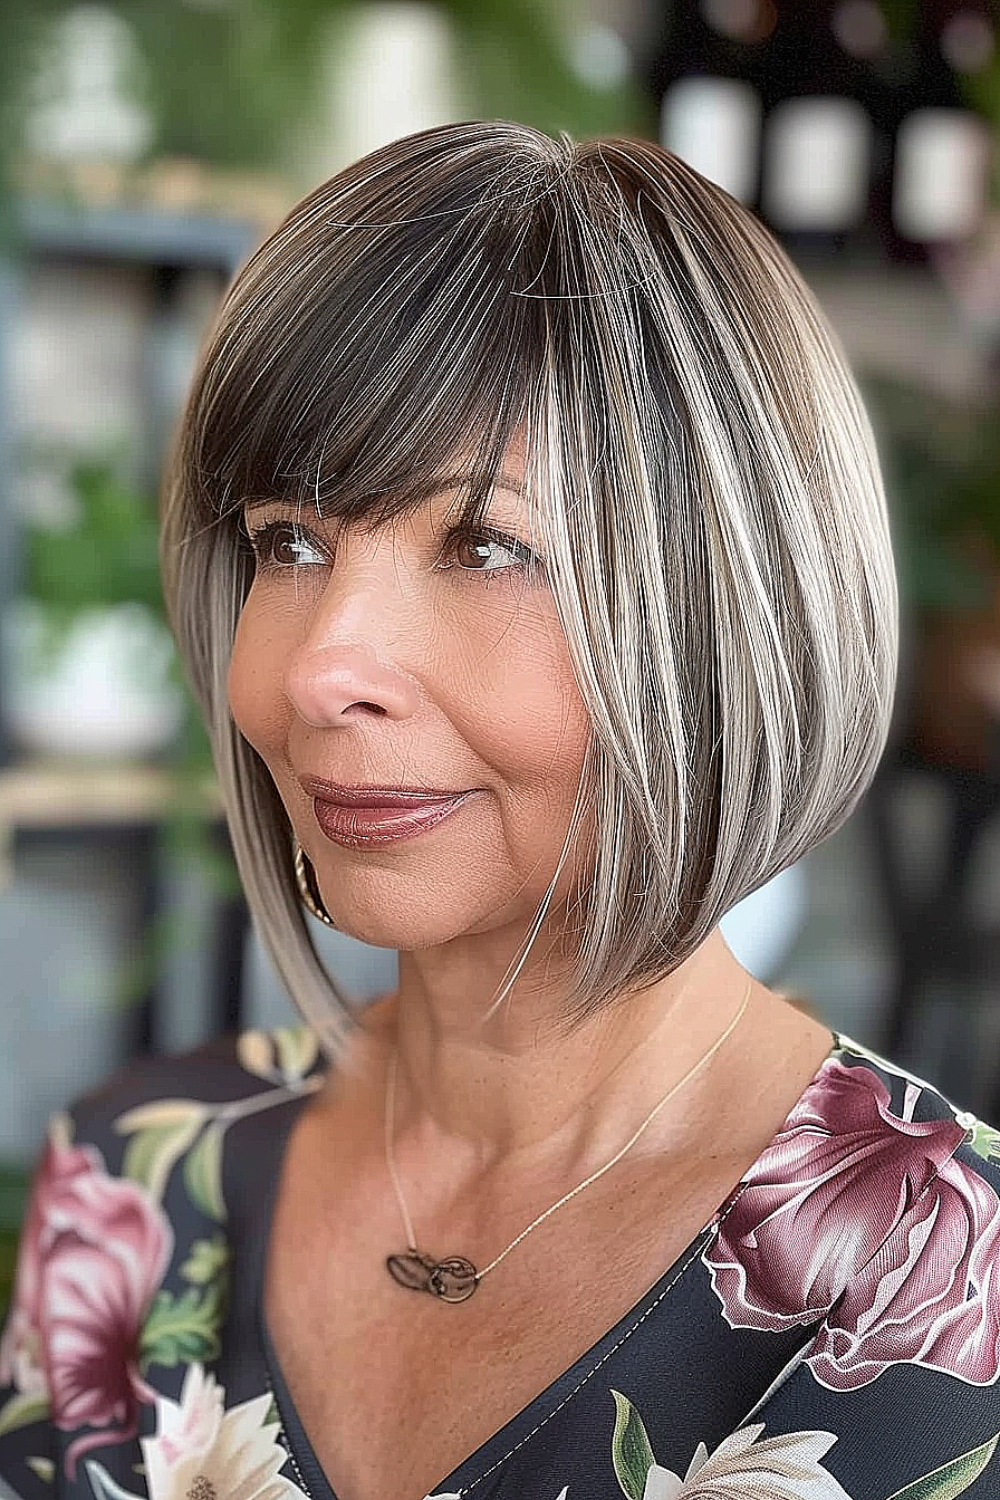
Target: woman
x,y
526,546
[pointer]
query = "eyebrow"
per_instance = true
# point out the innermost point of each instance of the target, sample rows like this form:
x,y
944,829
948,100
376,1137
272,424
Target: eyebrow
x,y
504,481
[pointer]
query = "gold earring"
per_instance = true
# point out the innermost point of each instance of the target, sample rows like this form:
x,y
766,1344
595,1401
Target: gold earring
x,y
305,877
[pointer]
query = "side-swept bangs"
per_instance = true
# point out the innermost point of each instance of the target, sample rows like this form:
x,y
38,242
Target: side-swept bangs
x,y
700,468
374,337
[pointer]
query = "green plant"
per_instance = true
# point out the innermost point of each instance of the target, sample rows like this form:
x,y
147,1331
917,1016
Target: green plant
x,y
230,84
14,1184
942,469
104,554
982,92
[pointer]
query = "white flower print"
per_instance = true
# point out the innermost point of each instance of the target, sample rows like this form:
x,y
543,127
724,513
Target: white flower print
x,y
203,1449
457,1494
788,1463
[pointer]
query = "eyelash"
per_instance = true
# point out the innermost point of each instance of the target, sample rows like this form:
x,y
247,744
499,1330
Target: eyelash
x,y
528,564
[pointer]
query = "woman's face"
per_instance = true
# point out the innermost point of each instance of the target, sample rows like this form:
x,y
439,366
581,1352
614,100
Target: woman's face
x,y
412,658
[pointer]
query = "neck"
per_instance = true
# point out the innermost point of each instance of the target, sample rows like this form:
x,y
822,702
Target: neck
x,y
514,1091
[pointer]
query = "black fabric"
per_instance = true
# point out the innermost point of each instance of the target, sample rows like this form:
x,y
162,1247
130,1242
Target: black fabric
x,y
834,1331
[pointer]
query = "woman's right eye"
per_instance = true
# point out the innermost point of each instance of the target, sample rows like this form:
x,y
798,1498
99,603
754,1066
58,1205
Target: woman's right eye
x,y
275,545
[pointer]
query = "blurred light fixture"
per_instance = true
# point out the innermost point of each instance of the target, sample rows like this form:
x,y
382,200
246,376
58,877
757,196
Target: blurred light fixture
x,y
941,175
817,154
714,125
79,99
860,27
393,70
968,41
599,56
742,20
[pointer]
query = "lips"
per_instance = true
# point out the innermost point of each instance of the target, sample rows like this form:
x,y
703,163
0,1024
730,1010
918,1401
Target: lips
x,y
359,816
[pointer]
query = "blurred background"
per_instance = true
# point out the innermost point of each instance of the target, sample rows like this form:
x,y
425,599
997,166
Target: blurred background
x,y
146,148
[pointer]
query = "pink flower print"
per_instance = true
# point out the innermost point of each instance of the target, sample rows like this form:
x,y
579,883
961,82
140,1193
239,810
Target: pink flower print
x,y
93,1252
20,1346
21,1356
864,1219
929,1297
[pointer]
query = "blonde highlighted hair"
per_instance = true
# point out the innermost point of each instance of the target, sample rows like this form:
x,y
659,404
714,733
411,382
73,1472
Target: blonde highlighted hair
x,y
703,476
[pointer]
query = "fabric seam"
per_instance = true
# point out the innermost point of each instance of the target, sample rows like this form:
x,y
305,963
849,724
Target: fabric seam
x,y
283,1433
706,1236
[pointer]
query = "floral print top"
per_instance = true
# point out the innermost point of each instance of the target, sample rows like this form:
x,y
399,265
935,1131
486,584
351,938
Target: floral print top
x,y
833,1333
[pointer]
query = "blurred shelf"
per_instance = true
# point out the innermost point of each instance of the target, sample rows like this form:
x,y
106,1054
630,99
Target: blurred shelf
x,y
127,233
61,794
127,799
902,322
165,241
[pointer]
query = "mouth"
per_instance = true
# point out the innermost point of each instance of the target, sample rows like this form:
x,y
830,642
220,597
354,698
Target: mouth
x,y
376,796
367,824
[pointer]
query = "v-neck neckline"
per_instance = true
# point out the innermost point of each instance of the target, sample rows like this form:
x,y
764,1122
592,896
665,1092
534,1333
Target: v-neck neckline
x,y
536,1413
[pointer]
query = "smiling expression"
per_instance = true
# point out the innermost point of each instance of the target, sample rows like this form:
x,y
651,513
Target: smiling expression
x,y
422,656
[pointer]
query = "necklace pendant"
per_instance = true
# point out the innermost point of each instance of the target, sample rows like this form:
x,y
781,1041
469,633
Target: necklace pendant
x,y
453,1279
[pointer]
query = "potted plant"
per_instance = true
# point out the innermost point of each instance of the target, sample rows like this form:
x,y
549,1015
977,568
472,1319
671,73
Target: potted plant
x,y
91,667
92,672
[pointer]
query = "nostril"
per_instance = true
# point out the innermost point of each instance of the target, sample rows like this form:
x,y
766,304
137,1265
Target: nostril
x,y
375,708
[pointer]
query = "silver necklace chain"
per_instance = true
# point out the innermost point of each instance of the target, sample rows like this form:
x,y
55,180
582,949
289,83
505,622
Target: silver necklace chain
x,y
455,1278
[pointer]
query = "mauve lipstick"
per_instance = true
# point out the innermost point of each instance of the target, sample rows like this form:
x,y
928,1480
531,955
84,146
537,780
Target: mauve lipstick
x,y
364,817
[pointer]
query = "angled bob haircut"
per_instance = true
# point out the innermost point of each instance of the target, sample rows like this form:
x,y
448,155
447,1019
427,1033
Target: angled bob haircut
x,y
702,470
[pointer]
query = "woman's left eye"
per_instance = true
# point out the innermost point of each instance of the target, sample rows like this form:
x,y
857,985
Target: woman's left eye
x,y
476,544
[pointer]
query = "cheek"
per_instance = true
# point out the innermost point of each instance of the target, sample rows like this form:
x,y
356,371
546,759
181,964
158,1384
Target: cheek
x,y
524,713
256,702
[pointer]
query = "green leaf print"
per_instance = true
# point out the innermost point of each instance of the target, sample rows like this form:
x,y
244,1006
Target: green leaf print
x,y
297,1049
151,1153
630,1449
180,1330
21,1410
985,1141
285,1054
203,1172
43,1467
951,1479
158,1113
208,1261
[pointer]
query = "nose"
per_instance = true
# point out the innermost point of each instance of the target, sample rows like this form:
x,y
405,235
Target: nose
x,y
328,683
343,665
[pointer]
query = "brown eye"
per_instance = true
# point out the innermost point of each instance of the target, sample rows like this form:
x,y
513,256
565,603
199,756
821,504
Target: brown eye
x,y
282,544
471,553
473,550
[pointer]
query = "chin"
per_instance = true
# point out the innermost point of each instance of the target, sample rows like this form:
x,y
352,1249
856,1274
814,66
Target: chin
x,y
405,931
410,912
389,935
